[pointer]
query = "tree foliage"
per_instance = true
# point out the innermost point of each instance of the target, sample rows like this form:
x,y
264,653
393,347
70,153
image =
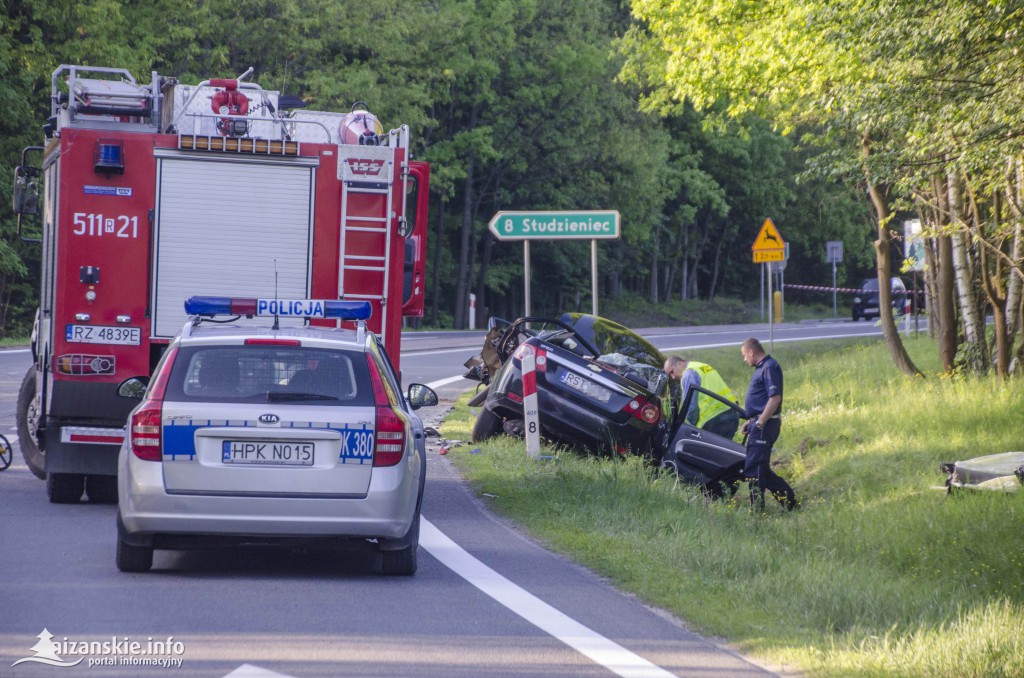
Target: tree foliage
x,y
517,104
919,103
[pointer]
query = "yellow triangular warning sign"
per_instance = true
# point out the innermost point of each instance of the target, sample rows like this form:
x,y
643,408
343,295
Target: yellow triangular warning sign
x,y
768,238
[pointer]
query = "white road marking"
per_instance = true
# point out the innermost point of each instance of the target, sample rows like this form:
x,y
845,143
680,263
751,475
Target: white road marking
x,y
445,382
250,671
587,642
777,341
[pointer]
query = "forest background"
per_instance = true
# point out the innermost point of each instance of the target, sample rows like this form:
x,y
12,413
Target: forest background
x,y
696,121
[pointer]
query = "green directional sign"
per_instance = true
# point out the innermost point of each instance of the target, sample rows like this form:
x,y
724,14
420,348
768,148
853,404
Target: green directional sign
x,y
555,225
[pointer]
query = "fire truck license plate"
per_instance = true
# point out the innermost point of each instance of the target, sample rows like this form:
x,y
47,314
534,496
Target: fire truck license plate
x,y
266,452
98,334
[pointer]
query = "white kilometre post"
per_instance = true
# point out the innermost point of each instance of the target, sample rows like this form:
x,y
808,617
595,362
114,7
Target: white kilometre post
x,y
530,414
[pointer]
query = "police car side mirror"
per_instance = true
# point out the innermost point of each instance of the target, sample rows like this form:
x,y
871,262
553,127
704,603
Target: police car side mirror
x,y
421,396
135,387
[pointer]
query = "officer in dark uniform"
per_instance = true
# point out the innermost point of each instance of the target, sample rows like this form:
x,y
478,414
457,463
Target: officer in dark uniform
x,y
764,415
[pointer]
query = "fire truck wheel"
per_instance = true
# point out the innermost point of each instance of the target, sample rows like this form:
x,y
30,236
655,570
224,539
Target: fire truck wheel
x,y
28,418
65,488
101,489
487,425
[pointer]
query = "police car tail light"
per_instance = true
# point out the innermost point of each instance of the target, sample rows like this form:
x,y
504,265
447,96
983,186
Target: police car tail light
x,y
146,424
389,443
643,410
146,431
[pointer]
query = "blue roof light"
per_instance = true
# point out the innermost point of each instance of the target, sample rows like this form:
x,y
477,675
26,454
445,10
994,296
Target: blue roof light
x,y
282,308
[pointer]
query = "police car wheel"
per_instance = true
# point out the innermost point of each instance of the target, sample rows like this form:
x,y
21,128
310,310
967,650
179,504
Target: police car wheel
x,y
133,558
35,458
402,563
65,488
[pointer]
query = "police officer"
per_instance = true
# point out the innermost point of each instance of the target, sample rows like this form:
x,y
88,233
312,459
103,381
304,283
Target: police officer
x,y
764,421
705,412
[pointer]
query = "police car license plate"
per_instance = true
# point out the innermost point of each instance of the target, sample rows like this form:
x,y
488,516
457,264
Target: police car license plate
x,y
267,453
100,334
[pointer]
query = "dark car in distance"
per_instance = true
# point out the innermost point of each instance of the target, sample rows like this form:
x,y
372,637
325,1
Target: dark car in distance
x,y
865,302
600,386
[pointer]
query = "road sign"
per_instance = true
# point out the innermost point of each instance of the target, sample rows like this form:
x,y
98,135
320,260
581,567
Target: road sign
x,y
769,255
768,238
834,252
555,225
768,245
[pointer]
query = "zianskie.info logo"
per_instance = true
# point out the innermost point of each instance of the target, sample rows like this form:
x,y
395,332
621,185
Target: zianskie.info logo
x,y
47,652
114,652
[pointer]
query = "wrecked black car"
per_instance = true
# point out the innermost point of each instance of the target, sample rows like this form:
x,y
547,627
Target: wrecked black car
x,y
600,386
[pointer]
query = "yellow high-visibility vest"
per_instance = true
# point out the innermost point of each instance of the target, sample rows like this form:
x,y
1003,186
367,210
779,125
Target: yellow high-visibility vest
x,y
710,379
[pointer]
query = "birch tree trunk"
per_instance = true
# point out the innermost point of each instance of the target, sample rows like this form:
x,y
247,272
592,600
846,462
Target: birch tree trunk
x,y
974,330
1016,282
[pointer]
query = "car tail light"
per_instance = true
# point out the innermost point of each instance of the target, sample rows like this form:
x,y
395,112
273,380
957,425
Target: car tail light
x,y
85,365
389,443
145,433
146,425
644,411
524,351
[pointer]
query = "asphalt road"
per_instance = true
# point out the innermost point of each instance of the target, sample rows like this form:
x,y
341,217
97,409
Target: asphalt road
x,y
486,601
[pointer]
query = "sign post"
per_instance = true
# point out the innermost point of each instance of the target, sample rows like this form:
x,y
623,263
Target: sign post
x,y
834,254
531,415
768,247
584,225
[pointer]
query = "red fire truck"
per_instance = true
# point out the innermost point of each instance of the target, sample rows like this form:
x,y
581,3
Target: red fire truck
x,y
147,194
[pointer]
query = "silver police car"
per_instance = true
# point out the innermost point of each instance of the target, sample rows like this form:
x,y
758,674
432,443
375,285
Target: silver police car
x,y
248,434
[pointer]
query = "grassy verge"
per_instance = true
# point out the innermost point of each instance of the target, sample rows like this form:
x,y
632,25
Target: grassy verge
x,y
13,342
879,574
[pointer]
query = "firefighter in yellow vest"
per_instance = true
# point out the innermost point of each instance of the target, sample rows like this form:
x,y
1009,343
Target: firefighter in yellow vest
x,y
704,411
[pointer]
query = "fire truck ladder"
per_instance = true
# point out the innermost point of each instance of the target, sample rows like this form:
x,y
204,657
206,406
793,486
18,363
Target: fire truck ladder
x,y
366,214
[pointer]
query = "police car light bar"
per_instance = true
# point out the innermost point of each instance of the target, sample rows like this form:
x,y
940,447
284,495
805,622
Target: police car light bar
x,y
283,308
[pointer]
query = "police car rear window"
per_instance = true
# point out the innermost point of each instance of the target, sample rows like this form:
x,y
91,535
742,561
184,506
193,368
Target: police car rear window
x,y
260,374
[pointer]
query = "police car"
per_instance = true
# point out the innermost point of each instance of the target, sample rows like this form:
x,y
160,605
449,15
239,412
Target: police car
x,y
268,435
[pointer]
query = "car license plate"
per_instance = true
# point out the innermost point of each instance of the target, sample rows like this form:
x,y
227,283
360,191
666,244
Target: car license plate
x,y
574,380
266,452
585,386
871,309
99,334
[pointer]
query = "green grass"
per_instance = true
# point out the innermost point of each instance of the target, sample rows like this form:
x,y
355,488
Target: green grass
x,y
12,342
879,574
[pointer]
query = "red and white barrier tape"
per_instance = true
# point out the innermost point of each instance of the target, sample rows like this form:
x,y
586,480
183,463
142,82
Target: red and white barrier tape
x,y
818,288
